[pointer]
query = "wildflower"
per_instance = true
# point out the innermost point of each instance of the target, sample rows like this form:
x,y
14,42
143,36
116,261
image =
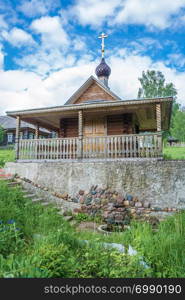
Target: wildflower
x,y
11,221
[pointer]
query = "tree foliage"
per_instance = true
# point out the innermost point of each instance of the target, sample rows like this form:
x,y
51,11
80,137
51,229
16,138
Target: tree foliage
x,y
1,134
153,85
178,128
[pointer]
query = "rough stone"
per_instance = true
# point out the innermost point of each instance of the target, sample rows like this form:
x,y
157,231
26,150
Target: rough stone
x,y
129,197
160,182
138,204
146,204
64,195
81,200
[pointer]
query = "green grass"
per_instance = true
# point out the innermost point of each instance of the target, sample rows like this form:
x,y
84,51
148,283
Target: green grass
x,y
40,243
174,153
6,155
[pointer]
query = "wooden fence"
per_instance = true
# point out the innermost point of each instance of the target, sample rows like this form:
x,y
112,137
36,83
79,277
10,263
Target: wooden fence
x,y
120,146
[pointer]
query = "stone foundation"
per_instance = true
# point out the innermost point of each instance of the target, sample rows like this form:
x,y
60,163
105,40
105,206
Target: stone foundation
x,y
162,183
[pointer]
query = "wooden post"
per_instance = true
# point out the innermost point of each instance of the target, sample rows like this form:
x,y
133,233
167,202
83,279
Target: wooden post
x,y
37,131
61,131
17,137
158,116
80,133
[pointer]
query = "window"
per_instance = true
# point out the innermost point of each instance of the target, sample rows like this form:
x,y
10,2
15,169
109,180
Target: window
x,y
10,137
31,135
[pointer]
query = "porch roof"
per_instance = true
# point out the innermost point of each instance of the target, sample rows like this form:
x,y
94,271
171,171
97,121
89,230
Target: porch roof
x,y
49,117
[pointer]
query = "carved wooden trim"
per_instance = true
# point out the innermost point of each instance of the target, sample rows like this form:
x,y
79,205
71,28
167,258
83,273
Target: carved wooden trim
x,y
37,131
80,133
17,137
158,116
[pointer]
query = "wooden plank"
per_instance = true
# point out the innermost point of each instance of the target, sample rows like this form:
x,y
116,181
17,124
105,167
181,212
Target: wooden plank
x,y
17,137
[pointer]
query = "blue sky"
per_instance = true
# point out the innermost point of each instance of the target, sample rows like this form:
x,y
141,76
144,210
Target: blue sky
x,y
49,48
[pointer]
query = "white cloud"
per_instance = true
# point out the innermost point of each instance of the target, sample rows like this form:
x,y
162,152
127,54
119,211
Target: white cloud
x,y
52,32
3,24
52,53
20,89
151,13
35,8
93,12
24,90
43,62
18,37
1,57
176,59
155,13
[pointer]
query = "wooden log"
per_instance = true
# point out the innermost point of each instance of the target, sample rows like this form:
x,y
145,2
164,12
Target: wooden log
x,y
158,116
17,137
80,134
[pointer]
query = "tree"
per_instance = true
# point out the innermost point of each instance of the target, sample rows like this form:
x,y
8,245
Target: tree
x,y
1,134
153,85
178,129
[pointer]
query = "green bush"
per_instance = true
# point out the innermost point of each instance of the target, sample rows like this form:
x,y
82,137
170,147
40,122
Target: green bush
x,y
10,238
21,266
56,261
82,217
100,263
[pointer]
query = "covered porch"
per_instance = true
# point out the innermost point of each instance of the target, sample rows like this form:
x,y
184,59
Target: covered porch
x,y
104,147
102,130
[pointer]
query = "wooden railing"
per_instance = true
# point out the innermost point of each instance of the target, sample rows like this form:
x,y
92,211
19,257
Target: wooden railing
x,y
120,146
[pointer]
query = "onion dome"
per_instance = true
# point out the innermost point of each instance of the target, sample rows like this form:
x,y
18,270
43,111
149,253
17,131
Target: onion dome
x,y
103,70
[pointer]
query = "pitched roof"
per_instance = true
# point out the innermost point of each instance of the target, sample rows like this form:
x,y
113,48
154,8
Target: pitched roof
x,y
10,123
85,86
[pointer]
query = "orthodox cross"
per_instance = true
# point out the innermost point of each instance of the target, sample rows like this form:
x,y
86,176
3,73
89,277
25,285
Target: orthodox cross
x,y
102,36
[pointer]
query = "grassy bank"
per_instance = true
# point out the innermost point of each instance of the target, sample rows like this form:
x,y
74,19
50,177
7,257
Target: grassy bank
x,y
6,155
37,242
174,153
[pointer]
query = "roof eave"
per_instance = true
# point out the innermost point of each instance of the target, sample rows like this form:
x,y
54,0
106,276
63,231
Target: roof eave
x,y
89,106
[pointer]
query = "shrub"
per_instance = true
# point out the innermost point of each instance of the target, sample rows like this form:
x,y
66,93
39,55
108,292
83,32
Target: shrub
x,y
10,238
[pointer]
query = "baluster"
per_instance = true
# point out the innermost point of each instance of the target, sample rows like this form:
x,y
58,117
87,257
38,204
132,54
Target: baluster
x,y
116,146
147,146
126,138
134,146
151,145
85,147
90,143
155,145
30,145
73,149
67,149
50,149
111,147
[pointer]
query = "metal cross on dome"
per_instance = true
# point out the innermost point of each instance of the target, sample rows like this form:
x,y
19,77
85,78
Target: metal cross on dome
x,y
103,36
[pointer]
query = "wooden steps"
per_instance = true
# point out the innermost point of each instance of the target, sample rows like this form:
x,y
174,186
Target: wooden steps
x,y
37,200
29,196
13,183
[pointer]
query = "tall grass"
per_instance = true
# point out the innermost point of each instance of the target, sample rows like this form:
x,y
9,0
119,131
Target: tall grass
x,y
43,244
174,153
6,155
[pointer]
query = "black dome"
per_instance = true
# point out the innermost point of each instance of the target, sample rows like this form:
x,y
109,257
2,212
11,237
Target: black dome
x,y
103,69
